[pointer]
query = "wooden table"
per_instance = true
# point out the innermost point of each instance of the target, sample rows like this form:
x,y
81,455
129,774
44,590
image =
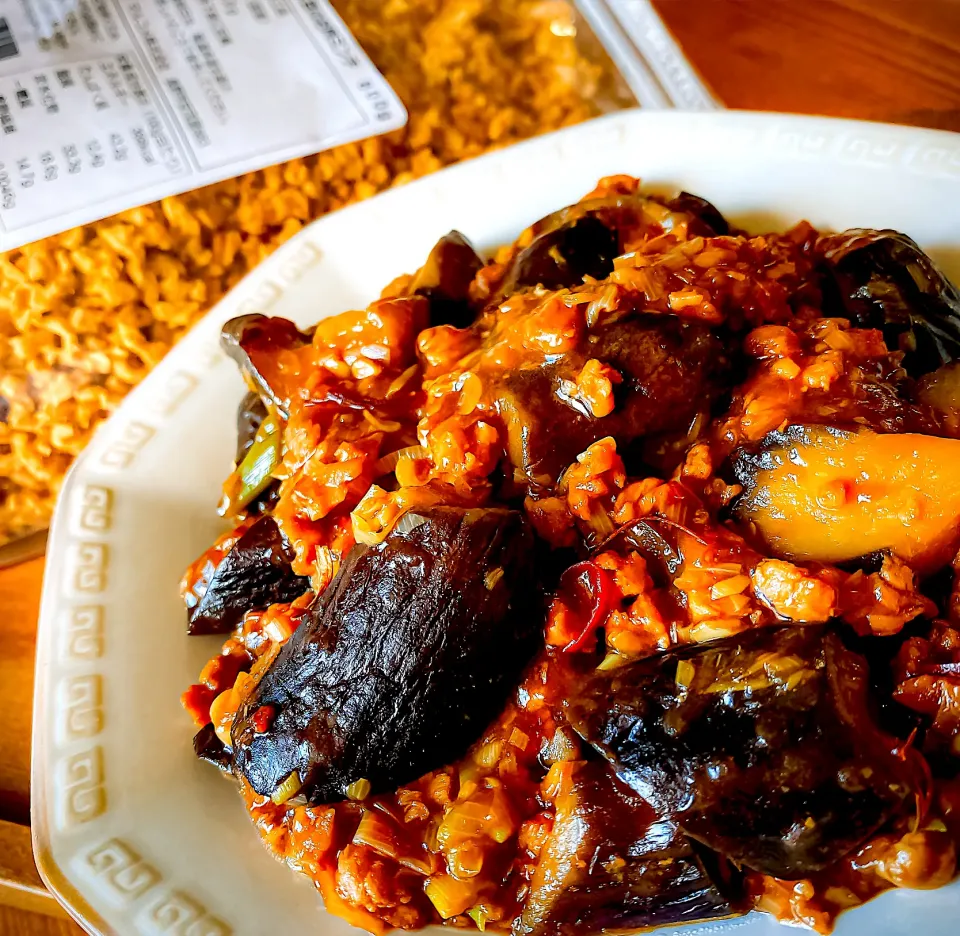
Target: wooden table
x,y
890,60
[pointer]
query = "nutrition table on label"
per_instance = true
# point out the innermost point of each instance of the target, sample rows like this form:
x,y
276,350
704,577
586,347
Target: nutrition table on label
x,y
105,104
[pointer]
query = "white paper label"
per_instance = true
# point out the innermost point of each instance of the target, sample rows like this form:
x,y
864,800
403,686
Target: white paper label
x,y
107,104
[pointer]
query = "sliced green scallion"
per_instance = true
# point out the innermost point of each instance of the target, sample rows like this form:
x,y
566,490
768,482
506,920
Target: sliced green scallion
x,y
254,473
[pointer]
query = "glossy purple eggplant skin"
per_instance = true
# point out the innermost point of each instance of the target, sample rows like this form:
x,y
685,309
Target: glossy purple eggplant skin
x,y
404,661
563,256
255,574
706,219
583,239
672,369
763,747
208,747
253,338
882,279
445,280
612,863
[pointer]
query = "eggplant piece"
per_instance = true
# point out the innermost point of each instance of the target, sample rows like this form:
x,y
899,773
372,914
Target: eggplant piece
x,y
255,574
254,343
565,255
611,863
250,415
208,747
445,280
265,348
405,659
581,239
584,238
626,215
667,363
882,279
762,746
672,369
706,220
816,493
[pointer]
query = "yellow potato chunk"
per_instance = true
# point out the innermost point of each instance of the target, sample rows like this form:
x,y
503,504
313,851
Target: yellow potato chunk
x,y
814,493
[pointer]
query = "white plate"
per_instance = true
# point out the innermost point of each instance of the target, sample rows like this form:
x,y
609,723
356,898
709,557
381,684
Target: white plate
x,y
131,832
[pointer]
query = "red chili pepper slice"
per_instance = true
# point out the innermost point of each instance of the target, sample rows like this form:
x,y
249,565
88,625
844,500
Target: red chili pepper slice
x,y
585,590
262,718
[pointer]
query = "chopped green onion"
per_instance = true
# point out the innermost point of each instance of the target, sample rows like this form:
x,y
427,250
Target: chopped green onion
x,y
612,661
254,473
358,790
685,674
376,831
288,789
450,896
479,917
